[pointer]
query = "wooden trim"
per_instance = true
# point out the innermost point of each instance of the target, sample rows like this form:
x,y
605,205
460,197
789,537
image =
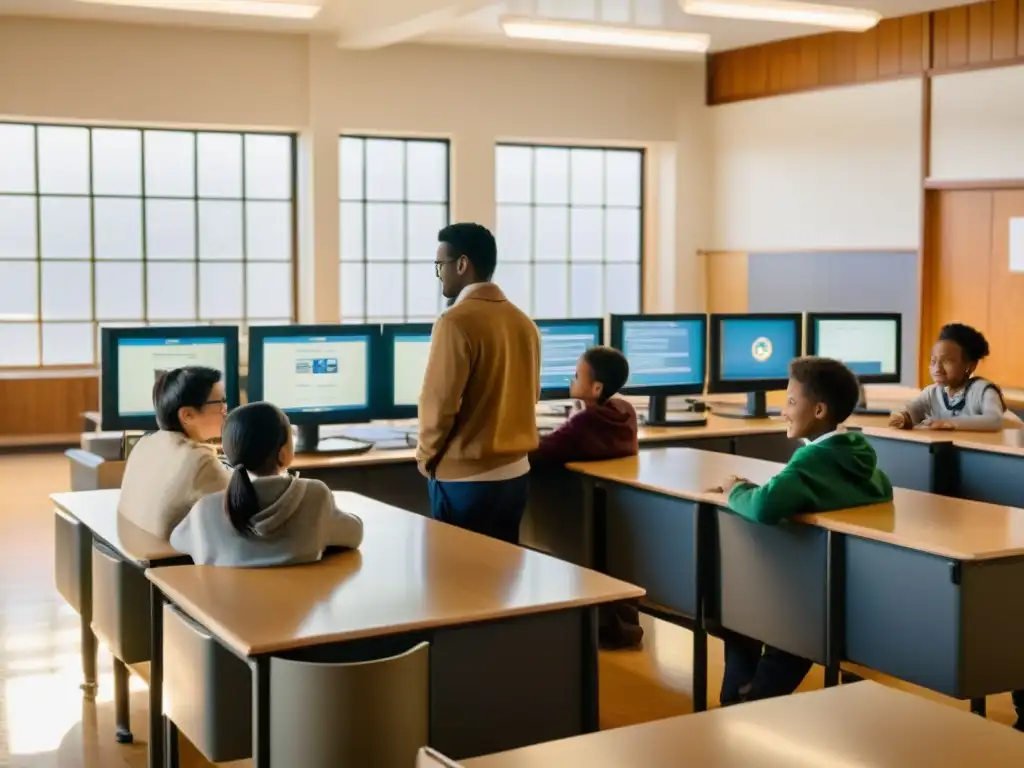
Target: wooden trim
x,y
823,251
1016,61
964,184
811,89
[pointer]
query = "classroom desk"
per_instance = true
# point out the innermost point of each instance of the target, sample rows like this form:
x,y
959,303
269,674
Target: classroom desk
x,y
864,725
513,633
116,607
892,587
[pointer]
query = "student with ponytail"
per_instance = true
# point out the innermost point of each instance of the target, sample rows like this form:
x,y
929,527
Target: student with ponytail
x,y
266,516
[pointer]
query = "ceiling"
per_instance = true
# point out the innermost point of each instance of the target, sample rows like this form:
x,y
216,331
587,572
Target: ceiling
x,y
376,23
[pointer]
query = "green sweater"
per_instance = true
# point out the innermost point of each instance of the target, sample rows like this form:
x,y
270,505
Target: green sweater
x,y
837,473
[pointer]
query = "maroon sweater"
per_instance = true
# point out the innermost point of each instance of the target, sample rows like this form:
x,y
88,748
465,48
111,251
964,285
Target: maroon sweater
x,y
605,431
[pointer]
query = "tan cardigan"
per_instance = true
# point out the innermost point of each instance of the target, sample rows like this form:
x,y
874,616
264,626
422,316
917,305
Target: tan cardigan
x,y
482,385
166,474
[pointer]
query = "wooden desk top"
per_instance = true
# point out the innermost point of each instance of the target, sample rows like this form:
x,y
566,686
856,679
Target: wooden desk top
x,y
862,725
940,525
411,573
97,511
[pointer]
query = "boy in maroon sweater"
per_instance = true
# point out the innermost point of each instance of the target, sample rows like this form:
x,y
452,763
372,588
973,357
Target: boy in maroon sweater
x,y
606,427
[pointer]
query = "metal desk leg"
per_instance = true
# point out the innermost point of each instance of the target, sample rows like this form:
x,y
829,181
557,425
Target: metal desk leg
x,y
833,610
170,744
156,678
122,704
700,669
89,654
260,666
589,689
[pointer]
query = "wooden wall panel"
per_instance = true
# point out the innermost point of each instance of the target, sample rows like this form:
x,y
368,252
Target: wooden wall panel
x,y
45,406
726,279
978,35
1004,29
1006,294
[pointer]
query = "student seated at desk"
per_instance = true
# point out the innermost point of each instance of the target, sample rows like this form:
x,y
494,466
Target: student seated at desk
x,y
606,427
833,470
171,469
957,399
266,516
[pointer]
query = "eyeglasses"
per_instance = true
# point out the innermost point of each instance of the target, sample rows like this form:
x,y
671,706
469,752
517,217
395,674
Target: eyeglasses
x,y
439,264
222,402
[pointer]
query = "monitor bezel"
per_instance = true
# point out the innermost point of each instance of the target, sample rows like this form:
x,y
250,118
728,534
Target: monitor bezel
x,y
257,336
384,369
716,385
562,393
110,337
811,335
617,325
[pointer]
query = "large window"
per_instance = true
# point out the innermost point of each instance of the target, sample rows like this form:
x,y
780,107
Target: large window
x,y
394,200
118,226
570,229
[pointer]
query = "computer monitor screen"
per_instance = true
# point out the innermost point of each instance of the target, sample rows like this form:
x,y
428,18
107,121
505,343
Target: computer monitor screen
x,y
405,351
868,344
134,358
753,352
666,353
315,374
561,344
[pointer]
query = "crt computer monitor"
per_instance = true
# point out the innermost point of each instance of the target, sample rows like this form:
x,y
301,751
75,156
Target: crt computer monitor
x,y
132,359
751,353
561,344
868,343
316,374
405,349
666,355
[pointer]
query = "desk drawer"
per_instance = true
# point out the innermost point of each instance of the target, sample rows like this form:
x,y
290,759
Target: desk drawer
x,y
120,600
651,540
72,564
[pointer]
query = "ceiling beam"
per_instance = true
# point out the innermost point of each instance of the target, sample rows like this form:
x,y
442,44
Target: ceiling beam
x,y
379,23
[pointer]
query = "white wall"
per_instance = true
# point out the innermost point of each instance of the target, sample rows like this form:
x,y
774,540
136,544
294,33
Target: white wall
x,y
105,73
825,170
978,125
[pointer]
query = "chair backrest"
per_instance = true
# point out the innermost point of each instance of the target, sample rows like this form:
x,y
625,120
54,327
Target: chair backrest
x,y
429,758
323,715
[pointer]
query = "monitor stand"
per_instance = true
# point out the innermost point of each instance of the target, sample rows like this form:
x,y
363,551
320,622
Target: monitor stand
x,y
864,410
657,412
307,440
757,408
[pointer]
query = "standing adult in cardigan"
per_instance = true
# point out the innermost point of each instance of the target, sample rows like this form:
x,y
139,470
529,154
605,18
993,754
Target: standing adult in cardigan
x,y
477,418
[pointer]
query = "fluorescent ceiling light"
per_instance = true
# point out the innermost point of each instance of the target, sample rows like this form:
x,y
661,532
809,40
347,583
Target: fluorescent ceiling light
x,y
282,10
604,34
833,16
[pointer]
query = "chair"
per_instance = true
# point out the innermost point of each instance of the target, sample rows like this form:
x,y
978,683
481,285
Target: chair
x,y
323,715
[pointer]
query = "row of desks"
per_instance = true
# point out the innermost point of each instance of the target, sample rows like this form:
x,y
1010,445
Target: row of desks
x,y
485,606
925,589
864,726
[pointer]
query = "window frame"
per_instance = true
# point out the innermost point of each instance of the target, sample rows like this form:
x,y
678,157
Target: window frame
x,y
639,150
37,196
364,201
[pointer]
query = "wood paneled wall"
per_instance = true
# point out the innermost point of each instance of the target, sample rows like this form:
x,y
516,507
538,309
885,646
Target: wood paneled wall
x,y
33,407
983,34
726,281
967,253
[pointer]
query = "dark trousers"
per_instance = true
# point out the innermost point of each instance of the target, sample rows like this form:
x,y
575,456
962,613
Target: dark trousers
x,y
751,674
494,509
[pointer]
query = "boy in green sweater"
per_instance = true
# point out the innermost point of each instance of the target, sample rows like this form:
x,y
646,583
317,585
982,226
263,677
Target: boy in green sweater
x,y
832,470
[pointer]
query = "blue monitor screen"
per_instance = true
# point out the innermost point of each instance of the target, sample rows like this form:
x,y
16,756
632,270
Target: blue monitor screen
x,y
868,347
664,352
755,348
560,349
311,374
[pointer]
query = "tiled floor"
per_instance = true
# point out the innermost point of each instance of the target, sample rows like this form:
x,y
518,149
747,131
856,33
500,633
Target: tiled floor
x,y
44,722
